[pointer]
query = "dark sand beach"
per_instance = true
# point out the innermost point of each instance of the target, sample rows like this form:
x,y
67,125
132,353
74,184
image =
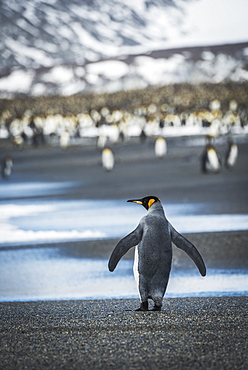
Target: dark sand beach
x,y
189,333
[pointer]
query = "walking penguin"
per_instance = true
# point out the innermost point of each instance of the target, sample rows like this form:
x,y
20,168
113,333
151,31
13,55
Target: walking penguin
x,y
153,252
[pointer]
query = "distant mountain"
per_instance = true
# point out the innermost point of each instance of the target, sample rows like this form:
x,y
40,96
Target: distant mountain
x,y
66,47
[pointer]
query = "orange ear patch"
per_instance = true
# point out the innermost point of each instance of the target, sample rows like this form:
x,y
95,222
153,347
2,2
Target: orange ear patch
x,y
150,203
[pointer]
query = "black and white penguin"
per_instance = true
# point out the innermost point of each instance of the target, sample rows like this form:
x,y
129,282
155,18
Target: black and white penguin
x,y
64,139
231,154
160,147
153,239
108,159
7,165
210,160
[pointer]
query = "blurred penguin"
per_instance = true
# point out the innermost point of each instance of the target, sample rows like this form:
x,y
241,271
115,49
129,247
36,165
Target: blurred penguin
x,y
101,141
108,160
231,154
64,139
160,147
7,167
210,159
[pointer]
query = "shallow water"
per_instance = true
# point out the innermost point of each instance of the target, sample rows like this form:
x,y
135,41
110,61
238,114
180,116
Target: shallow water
x,y
50,220
45,274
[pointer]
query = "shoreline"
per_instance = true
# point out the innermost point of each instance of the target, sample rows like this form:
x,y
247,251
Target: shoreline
x,y
221,249
189,333
78,270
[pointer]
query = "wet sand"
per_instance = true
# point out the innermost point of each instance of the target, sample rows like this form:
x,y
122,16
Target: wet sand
x,y
190,333
223,250
174,179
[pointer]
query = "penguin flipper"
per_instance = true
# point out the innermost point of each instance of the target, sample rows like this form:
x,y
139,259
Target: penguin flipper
x,y
181,242
123,246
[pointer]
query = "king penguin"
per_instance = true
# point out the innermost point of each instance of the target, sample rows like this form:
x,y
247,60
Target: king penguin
x,y
153,252
160,147
231,154
108,159
210,160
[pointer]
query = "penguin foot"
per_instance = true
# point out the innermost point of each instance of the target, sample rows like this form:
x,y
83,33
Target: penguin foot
x,y
143,306
156,308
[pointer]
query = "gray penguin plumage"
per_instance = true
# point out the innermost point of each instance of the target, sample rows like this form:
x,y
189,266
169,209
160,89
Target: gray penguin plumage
x,y
153,255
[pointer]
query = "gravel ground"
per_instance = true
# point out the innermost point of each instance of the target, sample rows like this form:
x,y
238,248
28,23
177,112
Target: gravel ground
x,y
189,333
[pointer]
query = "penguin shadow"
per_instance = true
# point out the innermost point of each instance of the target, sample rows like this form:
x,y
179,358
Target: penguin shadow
x,y
211,160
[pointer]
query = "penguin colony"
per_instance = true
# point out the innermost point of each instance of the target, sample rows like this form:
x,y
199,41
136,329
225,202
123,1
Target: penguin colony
x,y
153,252
145,121
112,126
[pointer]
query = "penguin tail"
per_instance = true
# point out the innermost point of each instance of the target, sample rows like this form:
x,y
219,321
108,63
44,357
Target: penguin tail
x,y
181,242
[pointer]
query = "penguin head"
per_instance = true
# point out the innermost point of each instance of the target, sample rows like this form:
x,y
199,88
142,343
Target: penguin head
x,y
147,202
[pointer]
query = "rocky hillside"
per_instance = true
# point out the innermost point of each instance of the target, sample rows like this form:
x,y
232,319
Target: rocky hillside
x,y
61,47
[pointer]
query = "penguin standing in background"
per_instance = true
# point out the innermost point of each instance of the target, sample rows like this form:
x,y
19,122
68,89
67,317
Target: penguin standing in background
x,y
160,147
210,161
7,167
108,160
101,141
153,252
64,139
231,154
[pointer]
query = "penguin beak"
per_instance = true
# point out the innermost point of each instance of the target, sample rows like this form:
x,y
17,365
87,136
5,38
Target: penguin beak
x,y
135,201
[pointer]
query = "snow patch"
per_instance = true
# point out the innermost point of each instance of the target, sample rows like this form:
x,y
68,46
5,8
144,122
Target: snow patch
x,y
59,75
108,69
19,80
25,52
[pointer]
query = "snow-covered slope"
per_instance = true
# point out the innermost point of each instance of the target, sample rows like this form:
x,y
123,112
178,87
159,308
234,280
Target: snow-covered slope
x,y
65,47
